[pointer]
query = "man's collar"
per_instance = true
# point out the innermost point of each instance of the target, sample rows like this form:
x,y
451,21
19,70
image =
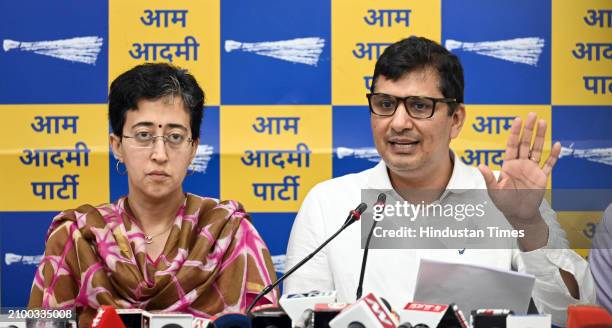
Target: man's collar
x,y
461,178
379,177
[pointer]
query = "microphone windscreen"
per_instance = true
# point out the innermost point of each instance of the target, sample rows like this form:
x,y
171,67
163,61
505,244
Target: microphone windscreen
x,y
583,316
305,320
405,325
361,208
382,198
232,320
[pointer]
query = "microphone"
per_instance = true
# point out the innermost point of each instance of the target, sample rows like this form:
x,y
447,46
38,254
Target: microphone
x,y
269,316
306,320
167,320
408,325
484,318
379,202
296,304
433,315
137,318
324,313
368,311
230,320
132,318
107,317
584,316
353,216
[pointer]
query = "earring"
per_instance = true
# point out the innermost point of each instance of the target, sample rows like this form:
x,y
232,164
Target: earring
x,y
118,170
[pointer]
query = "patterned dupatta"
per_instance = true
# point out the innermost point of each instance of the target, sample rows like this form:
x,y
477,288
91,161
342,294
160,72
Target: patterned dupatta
x,y
214,261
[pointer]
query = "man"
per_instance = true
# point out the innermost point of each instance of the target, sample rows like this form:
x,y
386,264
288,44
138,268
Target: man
x,y
600,259
416,109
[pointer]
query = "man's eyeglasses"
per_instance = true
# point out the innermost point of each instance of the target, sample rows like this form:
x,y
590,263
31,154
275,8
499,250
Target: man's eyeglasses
x,y
174,141
383,104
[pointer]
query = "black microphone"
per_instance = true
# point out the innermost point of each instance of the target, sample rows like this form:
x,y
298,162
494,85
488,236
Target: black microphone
x,y
379,202
269,316
324,313
353,216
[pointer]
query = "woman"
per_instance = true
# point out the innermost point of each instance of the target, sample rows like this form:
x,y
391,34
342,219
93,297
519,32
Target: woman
x,y
158,248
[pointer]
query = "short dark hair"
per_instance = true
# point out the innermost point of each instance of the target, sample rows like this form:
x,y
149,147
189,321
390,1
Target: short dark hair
x,y
416,53
153,81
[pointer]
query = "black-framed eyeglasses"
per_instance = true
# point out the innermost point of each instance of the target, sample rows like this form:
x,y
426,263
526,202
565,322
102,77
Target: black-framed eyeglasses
x,y
418,107
147,140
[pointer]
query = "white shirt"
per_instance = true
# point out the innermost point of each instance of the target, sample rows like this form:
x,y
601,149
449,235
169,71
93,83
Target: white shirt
x,y
391,273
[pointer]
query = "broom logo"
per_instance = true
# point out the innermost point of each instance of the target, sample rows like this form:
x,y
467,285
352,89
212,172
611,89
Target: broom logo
x,y
522,50
79,50
367,153
302,50
203,156
602,155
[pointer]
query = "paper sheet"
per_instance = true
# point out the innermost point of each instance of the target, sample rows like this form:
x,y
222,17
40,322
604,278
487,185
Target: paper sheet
x,y
472,287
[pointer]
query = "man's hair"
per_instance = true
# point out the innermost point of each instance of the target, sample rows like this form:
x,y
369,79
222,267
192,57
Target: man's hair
x,y
154,81
417,53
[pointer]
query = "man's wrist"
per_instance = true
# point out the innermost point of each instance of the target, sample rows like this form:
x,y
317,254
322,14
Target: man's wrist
x,y
535,234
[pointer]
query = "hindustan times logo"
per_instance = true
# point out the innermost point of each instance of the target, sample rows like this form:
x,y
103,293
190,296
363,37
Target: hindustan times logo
x,y
411,211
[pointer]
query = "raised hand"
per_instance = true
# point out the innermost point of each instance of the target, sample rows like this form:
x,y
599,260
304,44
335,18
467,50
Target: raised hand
x,y
519,190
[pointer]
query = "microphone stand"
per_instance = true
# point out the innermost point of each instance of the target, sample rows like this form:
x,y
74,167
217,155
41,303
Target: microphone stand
x,y
353,216
381,201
